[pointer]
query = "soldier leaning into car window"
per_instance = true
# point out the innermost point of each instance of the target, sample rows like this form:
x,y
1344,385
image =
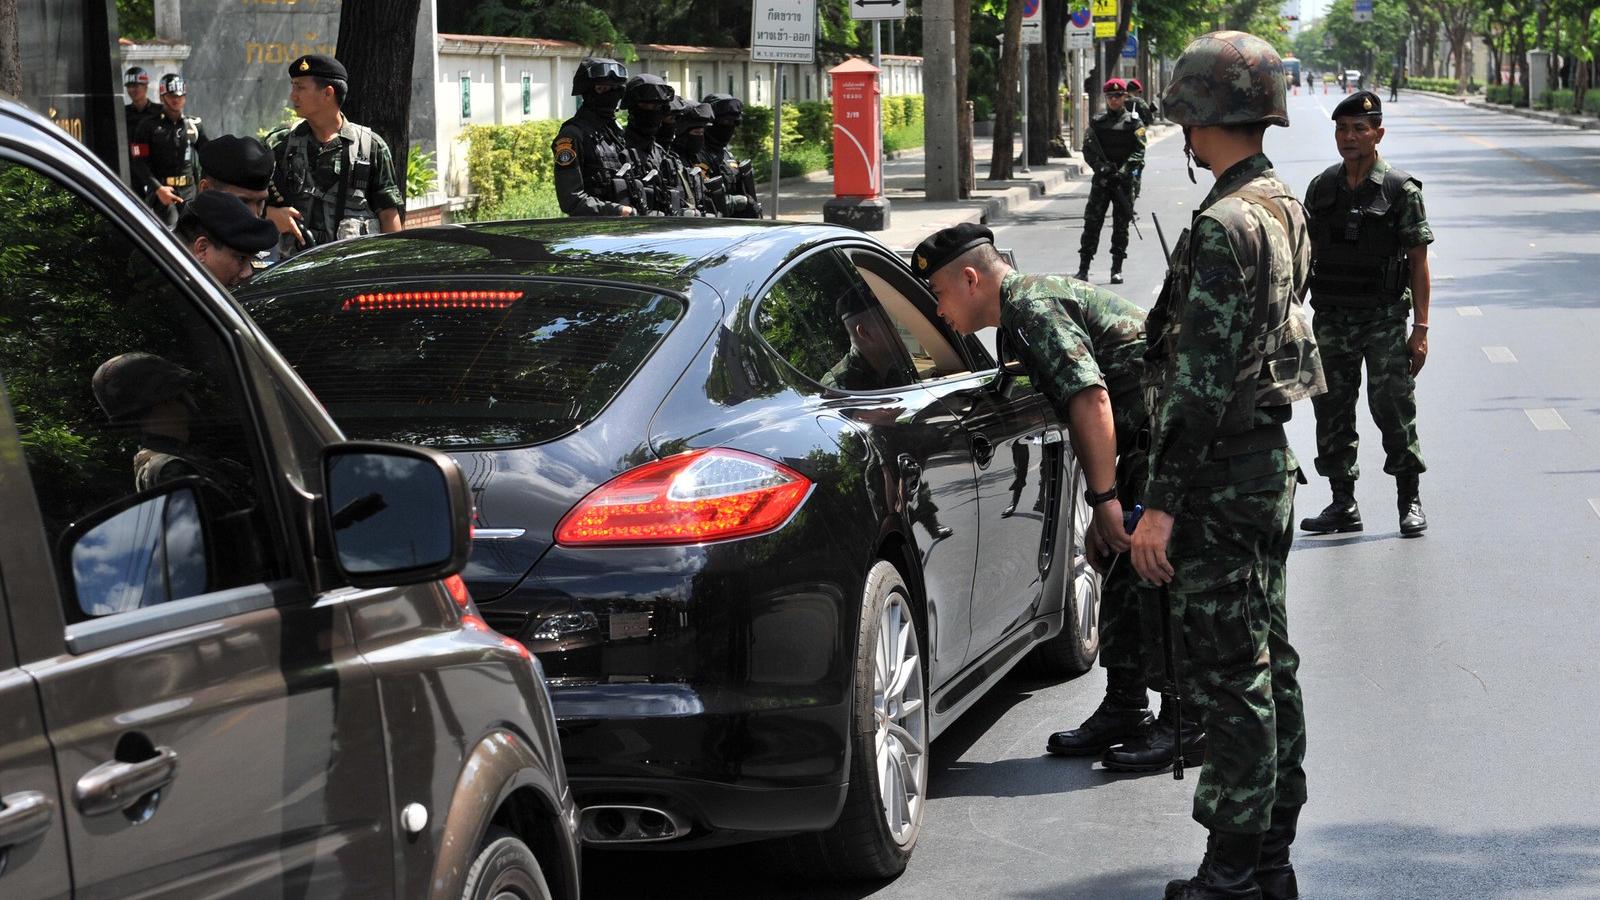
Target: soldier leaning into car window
x,y
1083,346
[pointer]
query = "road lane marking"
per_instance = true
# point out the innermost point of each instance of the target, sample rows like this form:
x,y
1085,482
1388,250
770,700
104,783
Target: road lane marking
x,y
1468,311
1544,167
1594,504
1500,354
1547,420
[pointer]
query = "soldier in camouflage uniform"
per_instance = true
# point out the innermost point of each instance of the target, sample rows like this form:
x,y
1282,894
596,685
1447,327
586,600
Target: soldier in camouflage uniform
x,y
1048,326
1114,147
1229,351
1369,268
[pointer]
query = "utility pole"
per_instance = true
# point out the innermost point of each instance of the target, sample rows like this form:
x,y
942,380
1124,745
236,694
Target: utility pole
x,y
939,92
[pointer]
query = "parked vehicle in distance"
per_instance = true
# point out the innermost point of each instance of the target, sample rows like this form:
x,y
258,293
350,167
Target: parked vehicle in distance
x,y
768,522
236,658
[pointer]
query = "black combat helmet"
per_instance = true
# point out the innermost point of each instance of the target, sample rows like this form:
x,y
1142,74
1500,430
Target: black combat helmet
x,y
647,89
597,70
130,383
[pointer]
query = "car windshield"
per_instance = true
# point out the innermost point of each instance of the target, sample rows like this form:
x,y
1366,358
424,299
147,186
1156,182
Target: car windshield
x,y
466,364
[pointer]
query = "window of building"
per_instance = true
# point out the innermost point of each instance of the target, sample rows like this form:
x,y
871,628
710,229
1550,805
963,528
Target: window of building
x,y
466,94
527,94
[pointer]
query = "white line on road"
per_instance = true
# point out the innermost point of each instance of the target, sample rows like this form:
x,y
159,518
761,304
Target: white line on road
x,y
1500,354
1547,420
1469,311
1594,504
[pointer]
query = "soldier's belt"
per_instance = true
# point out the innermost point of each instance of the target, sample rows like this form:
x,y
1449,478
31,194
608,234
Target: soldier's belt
x,y
176,181
1266,437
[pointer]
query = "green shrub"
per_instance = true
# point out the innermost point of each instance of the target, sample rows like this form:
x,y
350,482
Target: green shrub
x,y
1513,94
504,159
535,201
1433,85
1591,102
982,109
1558,100
421,175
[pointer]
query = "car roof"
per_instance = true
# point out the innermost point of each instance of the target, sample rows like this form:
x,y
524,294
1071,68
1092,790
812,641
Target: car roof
x,y
654,252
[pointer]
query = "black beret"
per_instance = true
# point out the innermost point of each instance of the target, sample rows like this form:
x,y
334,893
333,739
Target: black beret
x,y
226,218
316,65
947,244
240,161
1361,103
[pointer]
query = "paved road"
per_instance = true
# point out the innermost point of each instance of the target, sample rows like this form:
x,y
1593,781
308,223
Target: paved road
x,y
1452,683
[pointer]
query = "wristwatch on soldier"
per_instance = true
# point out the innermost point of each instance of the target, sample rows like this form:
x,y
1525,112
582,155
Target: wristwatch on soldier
x,y
1097,499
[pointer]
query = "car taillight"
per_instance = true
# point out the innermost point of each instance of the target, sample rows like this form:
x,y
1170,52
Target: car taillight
x,y
691,498
386,301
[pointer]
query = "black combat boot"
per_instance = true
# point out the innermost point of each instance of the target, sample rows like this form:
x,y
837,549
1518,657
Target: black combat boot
x,y
1274,874
1109,724
1227,873
1151,751
1083,267
1116,270
1340,516
1413,521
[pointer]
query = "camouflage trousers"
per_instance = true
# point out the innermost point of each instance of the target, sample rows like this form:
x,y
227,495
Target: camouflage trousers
x,y
1102,194
1391,394
1230,547
1124,638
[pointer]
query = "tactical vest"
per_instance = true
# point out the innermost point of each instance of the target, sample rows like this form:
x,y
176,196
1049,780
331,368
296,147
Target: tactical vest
x,y
1357,260
1281,363
1118,139
603,155
344,206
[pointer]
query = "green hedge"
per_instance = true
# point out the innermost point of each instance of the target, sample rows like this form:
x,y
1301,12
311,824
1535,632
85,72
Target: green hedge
x,y
1513,94
1433,85
504,159
1558,100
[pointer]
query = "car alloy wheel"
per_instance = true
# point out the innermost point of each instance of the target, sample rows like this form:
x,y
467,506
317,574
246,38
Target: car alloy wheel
x,y
1085,580
899,700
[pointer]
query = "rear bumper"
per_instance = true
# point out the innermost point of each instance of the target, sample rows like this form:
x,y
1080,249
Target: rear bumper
x,y
761,764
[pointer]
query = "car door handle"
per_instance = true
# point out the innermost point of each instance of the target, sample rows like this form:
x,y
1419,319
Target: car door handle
x,y
982,450
1043,438
116,785
23,817
910,471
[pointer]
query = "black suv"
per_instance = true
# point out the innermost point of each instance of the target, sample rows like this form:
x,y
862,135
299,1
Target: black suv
x,y
235,655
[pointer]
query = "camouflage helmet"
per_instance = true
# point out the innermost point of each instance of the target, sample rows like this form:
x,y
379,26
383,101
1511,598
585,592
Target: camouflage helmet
x,y
1227,78
130,383
597,70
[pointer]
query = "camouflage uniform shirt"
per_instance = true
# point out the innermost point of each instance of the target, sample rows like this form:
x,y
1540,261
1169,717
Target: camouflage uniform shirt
x,y
1214,308
1071,336
325,168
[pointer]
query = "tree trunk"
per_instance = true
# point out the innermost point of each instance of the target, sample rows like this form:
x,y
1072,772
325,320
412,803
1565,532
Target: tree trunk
x,y
963,50
1039,95
1005,101
1055,41
377,39
10,50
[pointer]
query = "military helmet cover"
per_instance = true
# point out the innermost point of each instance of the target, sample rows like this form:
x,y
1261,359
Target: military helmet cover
x,y
597,70
129,383
698,115
135,75
943,246
173,83
1227,78
646,89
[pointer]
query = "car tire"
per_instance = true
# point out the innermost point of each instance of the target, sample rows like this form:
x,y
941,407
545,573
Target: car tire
x,y
889,765
505,869
1074,650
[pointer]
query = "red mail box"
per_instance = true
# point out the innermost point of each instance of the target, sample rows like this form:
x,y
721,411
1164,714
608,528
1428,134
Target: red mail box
x,y
857,130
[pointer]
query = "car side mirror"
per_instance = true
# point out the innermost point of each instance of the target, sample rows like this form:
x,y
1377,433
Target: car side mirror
x,y
146,549
396,514
1005,380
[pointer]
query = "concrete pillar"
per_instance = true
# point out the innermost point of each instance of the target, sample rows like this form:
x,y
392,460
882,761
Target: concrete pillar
x,y
943,165
169,22
1538,74
499,88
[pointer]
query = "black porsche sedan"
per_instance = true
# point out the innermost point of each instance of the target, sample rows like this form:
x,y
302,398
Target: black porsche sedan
x,y
768,523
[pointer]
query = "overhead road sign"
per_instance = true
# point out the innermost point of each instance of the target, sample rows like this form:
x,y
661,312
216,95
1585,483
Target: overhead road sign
x,y
783,31
867,10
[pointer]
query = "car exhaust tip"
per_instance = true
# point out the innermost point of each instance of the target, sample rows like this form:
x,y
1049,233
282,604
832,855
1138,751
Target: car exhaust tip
x,y
618,824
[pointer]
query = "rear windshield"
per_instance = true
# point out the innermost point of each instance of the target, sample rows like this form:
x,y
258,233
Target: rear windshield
x,y
466,364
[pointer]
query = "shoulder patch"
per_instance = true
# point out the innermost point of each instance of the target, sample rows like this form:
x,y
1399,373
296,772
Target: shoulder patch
x,y
1139,132
566,152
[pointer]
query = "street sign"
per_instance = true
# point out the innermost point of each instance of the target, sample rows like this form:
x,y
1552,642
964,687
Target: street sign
x,y
1032,22
1105,18
1363,11
1130,50
1080,27
783,31
866,10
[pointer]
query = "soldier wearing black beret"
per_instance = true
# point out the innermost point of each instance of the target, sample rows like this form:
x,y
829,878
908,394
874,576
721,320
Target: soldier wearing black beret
x,y
337,176
1369,270
224,235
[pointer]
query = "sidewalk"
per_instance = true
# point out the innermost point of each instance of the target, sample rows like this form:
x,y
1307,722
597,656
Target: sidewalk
x,y
911,216
1477,101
